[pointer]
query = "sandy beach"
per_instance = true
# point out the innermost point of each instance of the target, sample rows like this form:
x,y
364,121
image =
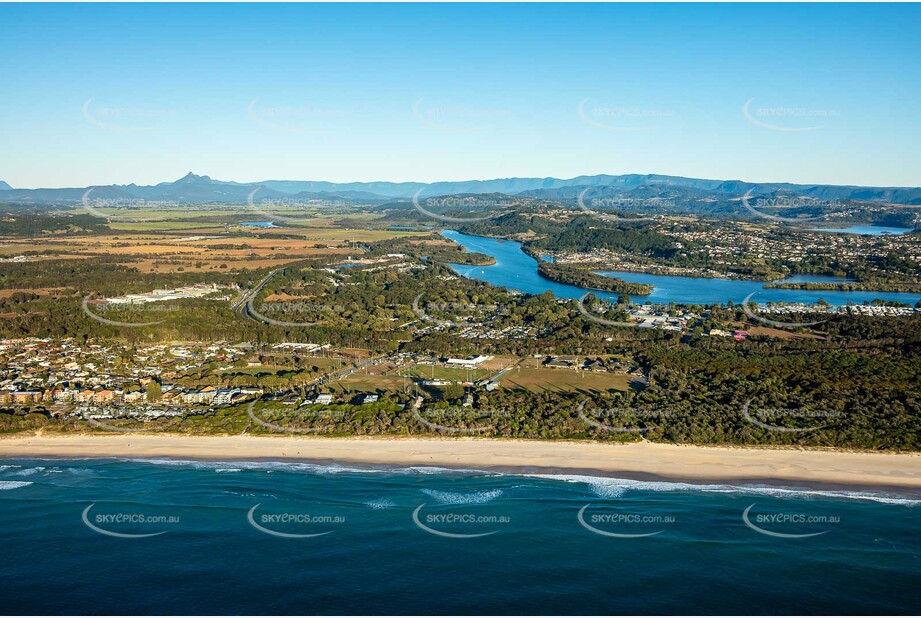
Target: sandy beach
x,y
643,461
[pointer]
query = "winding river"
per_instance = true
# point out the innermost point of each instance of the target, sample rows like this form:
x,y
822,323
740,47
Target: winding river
x,y
516,270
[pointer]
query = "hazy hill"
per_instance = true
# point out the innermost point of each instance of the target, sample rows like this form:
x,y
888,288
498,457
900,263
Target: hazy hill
x,y
203,189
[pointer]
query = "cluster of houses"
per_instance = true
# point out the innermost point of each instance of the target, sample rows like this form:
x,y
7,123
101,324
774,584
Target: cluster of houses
x,y
651,317
170,394
65,371
484,331
724,247
875,310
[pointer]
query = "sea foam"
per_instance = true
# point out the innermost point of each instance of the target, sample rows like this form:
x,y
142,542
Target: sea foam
x,y
474,497
603,487
6,485
606,487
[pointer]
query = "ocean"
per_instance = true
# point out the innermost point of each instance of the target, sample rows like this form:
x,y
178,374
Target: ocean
x,y
114,536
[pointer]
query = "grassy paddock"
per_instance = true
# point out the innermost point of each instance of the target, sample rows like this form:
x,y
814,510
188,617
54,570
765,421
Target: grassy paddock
x,y
563,380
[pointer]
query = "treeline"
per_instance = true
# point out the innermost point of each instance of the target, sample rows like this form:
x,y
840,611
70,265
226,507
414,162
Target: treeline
x,y
35,224
871,285
581,277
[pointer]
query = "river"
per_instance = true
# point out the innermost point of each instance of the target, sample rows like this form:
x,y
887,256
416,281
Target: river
x,y
516,270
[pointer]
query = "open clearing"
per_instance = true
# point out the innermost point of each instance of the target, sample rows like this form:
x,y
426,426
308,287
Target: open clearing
x,y
432,372
186,252
558,380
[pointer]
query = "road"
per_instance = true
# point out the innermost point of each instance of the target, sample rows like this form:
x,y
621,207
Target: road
x,y
245,304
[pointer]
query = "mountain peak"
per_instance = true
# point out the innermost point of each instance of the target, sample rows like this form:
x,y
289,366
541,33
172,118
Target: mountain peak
x,y
4,186
192,177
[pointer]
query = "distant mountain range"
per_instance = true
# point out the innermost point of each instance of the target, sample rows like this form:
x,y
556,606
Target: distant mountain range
x,y
203,189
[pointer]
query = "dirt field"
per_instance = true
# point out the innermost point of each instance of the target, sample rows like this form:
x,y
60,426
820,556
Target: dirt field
x,y
359,382
544,379
780,334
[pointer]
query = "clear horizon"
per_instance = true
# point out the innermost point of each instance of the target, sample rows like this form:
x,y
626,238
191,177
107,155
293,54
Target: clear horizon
x,y
121,94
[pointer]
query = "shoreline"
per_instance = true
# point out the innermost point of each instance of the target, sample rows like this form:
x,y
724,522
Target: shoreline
x,y
644,461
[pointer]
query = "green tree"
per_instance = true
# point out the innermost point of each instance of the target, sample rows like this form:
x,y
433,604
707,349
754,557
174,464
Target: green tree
x,y
154,391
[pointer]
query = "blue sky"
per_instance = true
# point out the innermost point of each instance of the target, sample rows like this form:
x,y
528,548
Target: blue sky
x,y
98,94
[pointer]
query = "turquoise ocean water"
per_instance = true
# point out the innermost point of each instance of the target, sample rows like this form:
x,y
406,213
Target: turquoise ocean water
x,y
108,536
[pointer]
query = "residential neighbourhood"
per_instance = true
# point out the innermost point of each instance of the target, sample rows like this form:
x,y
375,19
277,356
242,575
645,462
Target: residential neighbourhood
x,y
63,373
